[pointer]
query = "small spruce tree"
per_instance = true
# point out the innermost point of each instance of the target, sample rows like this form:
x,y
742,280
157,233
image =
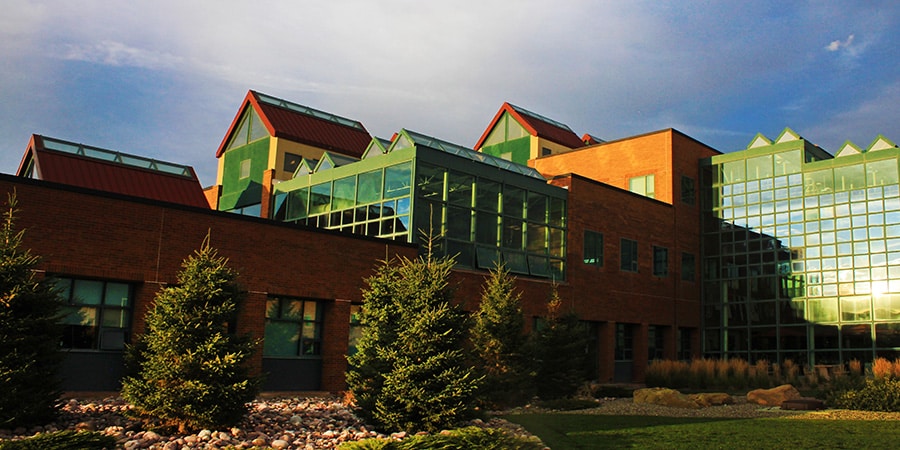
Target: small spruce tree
x,y
558,346
498,343
192,370
29,333
410,371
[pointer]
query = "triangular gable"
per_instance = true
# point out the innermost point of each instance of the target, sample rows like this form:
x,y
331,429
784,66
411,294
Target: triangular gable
x,y
590,139
401,140
535,124
881,143
248,103
847,149
331,160
306,167
759,141
376,148
788,135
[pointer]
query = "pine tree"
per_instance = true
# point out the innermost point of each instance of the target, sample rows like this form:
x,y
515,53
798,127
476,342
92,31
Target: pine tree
x,y
192,368
410,370
498,342
29,333
558,346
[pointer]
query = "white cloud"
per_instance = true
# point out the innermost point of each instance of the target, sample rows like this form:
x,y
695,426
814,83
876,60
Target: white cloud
x,y
119,54
838,45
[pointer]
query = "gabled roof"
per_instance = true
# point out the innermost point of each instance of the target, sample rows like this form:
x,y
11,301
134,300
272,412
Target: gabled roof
x,y
537,125
89,167
298,123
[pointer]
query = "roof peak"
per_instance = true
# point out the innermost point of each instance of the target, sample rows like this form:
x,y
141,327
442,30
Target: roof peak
x,y
309,111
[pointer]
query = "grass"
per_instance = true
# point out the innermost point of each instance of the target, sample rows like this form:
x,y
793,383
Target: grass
x,y
583,431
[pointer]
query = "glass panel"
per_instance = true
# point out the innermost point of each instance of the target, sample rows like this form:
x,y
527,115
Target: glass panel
x,y
537,238
557,212
292,309
281,339
516,262
849,177
297,202
733,171
459,223
537,266
430,182
487,195
459,189
856,308
513,201
880,173
344,194
818,182
310,310
856,336
272,310
73,315
759,167
512,233
887,335
116,318
396,180
310,339
537,207
117,294
87,292
320,198
370,184
486,257
788,162
823,310
486,226
557,242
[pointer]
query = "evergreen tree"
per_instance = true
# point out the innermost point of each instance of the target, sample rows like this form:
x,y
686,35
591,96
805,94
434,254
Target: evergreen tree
x,y
498,342
192,370
558,346
410,371
29,333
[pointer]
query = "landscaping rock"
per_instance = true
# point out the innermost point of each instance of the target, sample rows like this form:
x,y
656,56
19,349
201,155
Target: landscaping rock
x,y
803,404
773,397
664,397
712,399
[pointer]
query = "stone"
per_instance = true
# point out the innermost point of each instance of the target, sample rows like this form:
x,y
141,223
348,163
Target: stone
x,y
773,397
279,444
712,399
664,397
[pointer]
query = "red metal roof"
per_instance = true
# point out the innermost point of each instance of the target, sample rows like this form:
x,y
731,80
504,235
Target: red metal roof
x,y
536,126
303,128
109,176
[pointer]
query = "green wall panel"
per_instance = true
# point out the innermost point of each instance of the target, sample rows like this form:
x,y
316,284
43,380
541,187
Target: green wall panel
x,y
520,149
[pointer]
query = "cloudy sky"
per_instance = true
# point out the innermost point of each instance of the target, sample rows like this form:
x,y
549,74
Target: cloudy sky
x,y
164,78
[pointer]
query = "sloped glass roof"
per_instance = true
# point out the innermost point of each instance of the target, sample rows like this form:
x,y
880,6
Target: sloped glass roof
x,y
274,101
437,144
116,157
537,116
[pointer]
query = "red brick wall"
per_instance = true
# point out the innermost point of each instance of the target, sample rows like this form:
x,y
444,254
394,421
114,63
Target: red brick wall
x,y
101,236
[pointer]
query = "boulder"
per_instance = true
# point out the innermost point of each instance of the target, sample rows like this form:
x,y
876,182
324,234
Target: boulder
x,y
803,404
773,397
664,397
712,399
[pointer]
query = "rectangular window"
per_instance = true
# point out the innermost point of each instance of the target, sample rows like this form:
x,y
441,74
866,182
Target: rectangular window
x,y
624,342
660,261
629,255
688,267
291,162
293,327
688,194
643,185
593,248
245,168
96,314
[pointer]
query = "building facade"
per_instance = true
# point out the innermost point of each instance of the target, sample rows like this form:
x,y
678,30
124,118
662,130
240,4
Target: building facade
x,y
664,247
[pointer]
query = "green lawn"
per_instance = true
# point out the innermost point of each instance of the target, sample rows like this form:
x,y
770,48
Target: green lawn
x,y
584,431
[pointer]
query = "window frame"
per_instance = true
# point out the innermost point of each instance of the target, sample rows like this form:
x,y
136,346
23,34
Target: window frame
x,y
103,310
628,255
660,261
301,324
592,248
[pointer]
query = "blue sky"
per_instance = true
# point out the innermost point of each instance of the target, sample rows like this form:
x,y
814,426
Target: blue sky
x,y
164,78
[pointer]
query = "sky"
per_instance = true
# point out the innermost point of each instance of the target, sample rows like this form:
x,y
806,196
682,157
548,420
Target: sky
x,y
164,79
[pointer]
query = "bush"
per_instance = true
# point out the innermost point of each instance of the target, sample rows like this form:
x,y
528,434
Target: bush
x,y
469,438
498,343
558,345
29,334
62,440
875,395
192,371
410,371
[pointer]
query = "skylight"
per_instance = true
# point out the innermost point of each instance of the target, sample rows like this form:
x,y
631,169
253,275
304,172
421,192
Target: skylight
x,y
437,144
116,157
540,117
274,101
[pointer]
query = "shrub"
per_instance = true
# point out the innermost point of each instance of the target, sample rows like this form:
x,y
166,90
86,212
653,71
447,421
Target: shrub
x,y
410,371
62,440
498,343
192,371
882,368
875,395
468,438
558,346
29,333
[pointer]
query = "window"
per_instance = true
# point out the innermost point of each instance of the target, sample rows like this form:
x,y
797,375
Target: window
x,y
629,255
688,194
660,261
643,185
545,151
96,314
688,267
245,168
291,162
293,327
684,344
593,248
655,343
624,342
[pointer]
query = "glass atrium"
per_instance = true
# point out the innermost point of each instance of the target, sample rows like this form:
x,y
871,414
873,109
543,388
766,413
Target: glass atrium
x,y
802,253
482,208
